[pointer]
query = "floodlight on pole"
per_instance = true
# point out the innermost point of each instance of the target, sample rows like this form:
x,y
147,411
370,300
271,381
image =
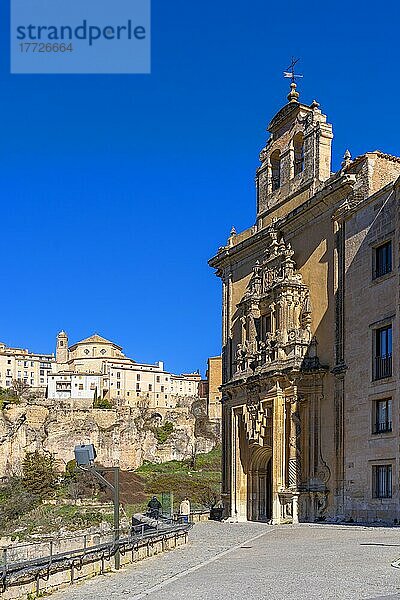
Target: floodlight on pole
x,y
85,455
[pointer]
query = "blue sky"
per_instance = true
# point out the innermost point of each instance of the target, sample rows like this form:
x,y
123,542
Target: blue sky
x,y
117,189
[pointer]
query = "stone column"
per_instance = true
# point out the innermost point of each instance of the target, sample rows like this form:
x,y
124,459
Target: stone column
x,y
226,455
340,367
278,454
294,445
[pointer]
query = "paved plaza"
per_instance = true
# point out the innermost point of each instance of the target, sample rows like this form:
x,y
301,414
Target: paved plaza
x,y
254,561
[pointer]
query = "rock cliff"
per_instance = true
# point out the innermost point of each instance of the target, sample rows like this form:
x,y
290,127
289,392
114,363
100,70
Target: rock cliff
x,y
122,436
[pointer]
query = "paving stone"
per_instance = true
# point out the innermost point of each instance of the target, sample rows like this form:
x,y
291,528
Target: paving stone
x,y
257,562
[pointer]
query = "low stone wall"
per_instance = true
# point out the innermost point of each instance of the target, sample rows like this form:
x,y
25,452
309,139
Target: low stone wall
x,y
198,516
56,573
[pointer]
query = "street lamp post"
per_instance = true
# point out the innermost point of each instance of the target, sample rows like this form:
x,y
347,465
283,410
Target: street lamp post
x,y
84,457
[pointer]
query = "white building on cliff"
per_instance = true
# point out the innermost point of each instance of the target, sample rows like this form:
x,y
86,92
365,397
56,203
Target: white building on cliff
x,y
96,368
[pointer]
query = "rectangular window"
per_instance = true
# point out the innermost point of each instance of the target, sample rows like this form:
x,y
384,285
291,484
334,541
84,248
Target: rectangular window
x,y
118,385
150,387
382,481
138,387
138,377
9,362
383,352
118,375
383,260
80,386
158,379
383,416
42,372
162,388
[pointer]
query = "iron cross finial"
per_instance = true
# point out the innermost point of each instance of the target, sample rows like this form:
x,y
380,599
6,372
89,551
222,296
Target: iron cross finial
x,y
290,70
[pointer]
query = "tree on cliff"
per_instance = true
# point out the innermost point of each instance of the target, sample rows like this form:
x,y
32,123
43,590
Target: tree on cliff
x,y
39,475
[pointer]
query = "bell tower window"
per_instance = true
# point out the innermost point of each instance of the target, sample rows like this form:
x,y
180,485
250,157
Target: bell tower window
x,y
298,145
276,169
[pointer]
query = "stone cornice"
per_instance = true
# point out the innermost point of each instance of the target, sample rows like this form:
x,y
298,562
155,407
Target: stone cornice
x,y
278,374
336,189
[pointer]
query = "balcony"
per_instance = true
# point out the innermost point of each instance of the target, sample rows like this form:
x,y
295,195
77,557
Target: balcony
x,y
63,387
383,427
383,367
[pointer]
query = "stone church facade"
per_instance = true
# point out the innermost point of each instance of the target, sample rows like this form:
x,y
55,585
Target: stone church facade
x,y
310,393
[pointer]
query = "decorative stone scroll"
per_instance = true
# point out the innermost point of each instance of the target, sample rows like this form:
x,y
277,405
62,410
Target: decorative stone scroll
x,y
275,313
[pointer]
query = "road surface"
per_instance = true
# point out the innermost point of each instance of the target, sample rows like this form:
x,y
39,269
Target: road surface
x,y
254,561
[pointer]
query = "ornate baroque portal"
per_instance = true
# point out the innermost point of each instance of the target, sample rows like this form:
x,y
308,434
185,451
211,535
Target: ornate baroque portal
x,y
278,471
303,438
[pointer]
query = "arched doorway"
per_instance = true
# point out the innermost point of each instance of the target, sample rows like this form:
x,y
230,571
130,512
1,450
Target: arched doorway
x,y
260,485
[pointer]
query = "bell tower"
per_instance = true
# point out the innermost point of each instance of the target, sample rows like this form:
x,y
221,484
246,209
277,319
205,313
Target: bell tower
x,y
297,156
62,348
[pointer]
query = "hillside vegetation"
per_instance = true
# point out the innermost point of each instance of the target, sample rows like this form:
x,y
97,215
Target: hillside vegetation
x,y
41,501
198,478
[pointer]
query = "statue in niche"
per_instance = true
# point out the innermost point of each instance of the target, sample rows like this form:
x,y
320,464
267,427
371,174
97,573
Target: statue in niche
x,y
305,317
241,355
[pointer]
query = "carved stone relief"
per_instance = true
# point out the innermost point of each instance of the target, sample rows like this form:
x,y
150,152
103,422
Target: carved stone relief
x,y
276,310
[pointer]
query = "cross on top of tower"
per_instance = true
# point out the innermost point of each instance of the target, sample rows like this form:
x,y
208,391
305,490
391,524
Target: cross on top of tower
x,y
290,70
289,73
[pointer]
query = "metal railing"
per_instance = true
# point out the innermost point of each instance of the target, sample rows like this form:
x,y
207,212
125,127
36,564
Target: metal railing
x,y
383,427
17,570
383,366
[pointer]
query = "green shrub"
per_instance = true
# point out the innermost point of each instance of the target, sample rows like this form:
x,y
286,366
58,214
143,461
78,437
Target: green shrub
x,y
102,403
15,501
163,432
39,475
70,468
